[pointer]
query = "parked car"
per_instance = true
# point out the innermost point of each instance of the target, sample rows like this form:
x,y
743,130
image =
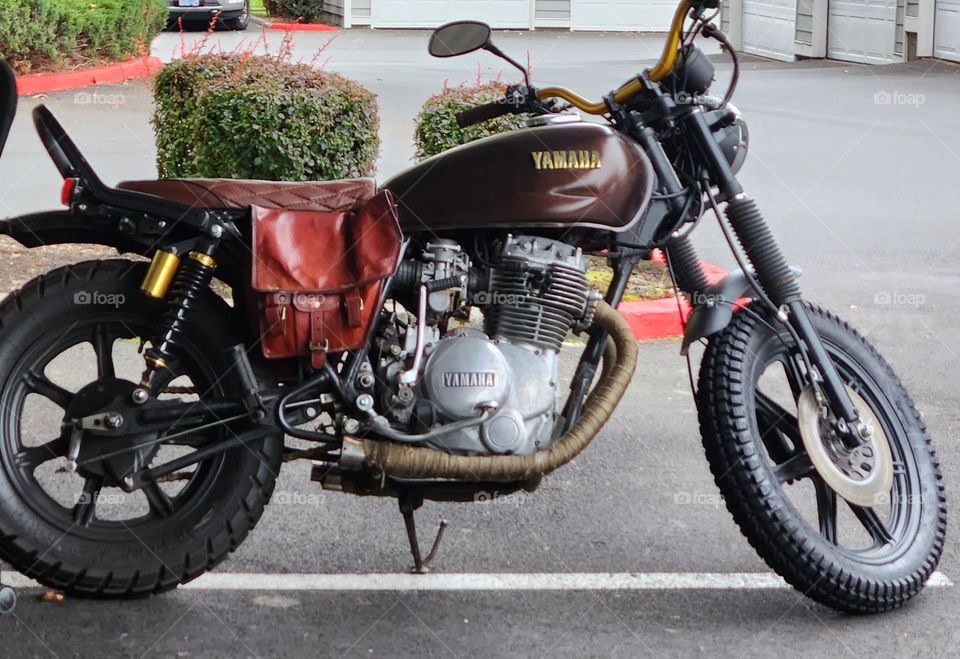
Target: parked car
x,y
232,14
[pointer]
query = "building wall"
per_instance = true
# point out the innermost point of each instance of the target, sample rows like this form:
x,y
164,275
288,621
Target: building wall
x,y
901,12
551,13
360,12
804,29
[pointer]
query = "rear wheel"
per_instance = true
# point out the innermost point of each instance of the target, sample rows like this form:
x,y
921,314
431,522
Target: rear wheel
x,y
853,553
70,338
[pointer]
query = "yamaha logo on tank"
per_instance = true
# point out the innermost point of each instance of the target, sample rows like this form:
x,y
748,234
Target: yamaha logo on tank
x,y
566,159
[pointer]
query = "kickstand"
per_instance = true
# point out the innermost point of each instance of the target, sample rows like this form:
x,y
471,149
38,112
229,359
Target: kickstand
x,y
408,504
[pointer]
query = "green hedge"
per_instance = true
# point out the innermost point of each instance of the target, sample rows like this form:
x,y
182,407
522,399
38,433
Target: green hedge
x,y
308,10
436,125
240,116
54,34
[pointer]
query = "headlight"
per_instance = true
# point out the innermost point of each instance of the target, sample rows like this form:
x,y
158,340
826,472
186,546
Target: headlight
x,y
691,77
729,129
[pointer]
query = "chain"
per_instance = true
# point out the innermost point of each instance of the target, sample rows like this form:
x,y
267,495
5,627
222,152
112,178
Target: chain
x,y
180,391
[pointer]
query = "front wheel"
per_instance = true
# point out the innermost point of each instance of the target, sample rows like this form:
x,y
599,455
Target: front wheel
x,y
838,550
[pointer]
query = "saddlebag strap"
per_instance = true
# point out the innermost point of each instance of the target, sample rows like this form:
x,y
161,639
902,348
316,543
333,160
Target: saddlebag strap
x,y
276,315
318,339
352,306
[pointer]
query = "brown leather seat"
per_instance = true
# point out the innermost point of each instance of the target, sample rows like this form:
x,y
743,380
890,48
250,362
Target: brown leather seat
x,y
235,194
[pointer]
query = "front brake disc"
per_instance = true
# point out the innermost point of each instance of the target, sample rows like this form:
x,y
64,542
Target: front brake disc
x,y
863,475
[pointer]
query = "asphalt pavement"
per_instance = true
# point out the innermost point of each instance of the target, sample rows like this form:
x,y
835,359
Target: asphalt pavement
x,y
855,167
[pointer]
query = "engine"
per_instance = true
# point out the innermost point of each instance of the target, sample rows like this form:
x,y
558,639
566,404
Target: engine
x,y
490,386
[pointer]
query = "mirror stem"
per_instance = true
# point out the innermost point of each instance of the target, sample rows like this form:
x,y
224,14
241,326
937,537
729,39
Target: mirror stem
x,y
489,47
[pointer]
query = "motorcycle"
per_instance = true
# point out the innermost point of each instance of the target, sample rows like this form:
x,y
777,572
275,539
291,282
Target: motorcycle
x,y
348,329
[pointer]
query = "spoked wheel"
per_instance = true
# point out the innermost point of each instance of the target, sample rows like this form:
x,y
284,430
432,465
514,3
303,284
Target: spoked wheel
x,y
858,529
70,350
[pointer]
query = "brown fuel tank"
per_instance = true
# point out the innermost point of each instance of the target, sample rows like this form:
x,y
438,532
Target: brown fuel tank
x,y
559,175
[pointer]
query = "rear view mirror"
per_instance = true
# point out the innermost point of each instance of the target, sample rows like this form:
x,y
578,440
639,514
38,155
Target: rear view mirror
x,y
459,38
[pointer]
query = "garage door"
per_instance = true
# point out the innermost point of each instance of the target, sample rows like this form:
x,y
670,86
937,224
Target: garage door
x,y
946,30
431,13
769,28
647,15
862,31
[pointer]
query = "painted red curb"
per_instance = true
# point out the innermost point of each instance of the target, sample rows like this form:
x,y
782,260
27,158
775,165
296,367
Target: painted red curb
x,y
304,27
121,72
661,319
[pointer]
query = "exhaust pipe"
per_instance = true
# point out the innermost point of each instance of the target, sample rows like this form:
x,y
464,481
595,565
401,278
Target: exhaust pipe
x,y
405,461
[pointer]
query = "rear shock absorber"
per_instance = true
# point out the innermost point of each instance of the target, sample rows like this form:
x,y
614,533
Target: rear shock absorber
x,y
191,281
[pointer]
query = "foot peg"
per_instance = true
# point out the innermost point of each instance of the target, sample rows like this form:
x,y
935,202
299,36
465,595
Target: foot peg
x,y
408,504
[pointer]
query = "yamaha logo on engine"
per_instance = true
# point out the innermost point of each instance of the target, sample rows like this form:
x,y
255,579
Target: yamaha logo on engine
x,y
468,379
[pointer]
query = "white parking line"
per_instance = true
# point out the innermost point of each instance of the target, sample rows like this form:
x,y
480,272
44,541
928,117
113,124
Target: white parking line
x,y
477,581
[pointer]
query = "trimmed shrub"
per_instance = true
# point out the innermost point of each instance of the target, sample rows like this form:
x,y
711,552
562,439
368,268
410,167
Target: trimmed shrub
x,y
308,10
54,34
436,124
244,116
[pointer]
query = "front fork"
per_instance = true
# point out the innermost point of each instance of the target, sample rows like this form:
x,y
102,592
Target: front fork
x,y
773,273
775,277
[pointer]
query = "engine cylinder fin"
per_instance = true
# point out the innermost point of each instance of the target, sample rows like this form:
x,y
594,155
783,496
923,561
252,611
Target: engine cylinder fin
x,y
538,292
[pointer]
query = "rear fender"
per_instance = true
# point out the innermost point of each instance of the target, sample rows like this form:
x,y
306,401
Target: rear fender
x,y
60,227
63,227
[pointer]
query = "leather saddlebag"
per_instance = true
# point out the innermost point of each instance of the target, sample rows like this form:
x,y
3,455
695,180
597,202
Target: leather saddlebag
x,y
318,275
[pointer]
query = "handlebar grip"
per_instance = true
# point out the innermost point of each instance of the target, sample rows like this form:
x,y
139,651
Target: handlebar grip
x,y
483,113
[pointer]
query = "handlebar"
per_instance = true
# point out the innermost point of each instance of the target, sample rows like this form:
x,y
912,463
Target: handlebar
x,y
666,64
483,112
668,59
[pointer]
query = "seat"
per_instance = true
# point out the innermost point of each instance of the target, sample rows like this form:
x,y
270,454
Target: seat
x,y
236,194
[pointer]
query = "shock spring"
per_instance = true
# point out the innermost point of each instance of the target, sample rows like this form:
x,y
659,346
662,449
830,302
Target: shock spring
x,y
192,279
